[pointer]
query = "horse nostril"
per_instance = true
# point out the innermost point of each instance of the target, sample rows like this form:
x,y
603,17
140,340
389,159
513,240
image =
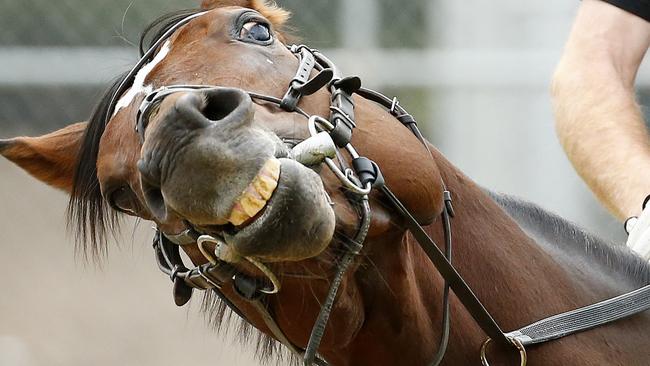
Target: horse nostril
x,y
227,105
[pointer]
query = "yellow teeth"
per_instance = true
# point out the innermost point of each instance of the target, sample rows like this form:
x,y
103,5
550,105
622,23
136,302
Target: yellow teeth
x,y
257,194
237,216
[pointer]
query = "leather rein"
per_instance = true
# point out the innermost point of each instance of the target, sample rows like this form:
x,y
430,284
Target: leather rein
x,y
328,138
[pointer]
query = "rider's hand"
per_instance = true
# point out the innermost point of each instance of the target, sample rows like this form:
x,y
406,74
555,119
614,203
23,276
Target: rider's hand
x,y
639,230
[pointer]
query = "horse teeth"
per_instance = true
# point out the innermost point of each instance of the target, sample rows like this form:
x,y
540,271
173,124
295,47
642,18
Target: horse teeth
x,y
237,215
251,205
265,186
270,169
257,194
267,180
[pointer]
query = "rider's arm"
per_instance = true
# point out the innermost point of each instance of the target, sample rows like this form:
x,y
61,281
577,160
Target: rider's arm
x,y
598,120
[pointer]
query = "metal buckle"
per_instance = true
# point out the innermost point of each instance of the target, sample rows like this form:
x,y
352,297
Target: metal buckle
x,y
515,342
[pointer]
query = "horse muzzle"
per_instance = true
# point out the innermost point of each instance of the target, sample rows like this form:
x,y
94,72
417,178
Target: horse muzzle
x,y
205,161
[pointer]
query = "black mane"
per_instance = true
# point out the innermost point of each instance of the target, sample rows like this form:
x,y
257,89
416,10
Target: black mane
x,y
89,216
571,240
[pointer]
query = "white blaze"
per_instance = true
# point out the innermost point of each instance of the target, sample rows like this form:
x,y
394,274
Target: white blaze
x,y
138,83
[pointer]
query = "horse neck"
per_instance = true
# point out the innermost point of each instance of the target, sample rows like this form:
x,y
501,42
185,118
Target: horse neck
x,y
517,280
503,265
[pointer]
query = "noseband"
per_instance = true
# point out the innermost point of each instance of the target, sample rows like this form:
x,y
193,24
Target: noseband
x,y
328,137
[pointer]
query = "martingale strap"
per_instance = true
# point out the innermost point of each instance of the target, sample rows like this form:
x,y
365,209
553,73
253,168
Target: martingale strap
x,y
584,318
441,261
448,272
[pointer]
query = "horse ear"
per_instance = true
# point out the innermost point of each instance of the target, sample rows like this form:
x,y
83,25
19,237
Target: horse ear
x,y
49,158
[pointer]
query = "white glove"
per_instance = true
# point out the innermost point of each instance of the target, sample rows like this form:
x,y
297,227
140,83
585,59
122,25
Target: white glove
x,y
639,230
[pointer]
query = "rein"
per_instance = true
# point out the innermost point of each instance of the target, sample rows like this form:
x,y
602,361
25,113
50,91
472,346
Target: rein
x,y
328,136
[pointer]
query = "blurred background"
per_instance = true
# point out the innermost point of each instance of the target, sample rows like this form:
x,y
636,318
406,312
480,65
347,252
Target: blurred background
x,y
475,74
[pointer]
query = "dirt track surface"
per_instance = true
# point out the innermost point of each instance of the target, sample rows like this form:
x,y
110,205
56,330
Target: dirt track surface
x,y
54,310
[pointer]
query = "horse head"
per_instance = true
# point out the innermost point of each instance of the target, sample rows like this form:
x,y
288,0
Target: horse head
x,y
218,159
221,161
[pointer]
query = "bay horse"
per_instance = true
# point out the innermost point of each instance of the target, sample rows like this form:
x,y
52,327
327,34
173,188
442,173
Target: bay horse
x,y
220,161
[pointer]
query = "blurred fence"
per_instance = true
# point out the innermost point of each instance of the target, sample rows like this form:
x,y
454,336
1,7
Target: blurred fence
x,y
475,74
55,56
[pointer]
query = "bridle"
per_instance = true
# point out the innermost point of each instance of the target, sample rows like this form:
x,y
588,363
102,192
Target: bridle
x,y
327,137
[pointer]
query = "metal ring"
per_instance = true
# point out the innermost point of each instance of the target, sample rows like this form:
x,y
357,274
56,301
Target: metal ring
x,y
346,181
515,342
315,122
270,275
319,124
207,239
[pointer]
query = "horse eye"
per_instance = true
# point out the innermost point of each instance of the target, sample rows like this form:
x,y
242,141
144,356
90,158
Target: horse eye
x,y
124,200
255,31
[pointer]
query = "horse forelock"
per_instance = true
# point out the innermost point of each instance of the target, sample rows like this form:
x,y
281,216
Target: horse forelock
x,y
271,11
158,27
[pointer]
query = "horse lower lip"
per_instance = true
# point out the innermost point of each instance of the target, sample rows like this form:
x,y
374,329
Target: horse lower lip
x,y
297,223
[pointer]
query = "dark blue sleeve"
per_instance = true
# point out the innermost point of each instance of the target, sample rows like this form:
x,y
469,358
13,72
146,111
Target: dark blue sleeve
x,y
637,7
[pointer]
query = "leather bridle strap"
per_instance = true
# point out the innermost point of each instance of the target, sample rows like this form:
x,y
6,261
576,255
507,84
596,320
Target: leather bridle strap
x,y
447,212
442,261
447,270
263,310
354,247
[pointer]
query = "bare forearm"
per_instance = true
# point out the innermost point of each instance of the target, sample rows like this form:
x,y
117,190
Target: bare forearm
x,y
598,121
603,132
